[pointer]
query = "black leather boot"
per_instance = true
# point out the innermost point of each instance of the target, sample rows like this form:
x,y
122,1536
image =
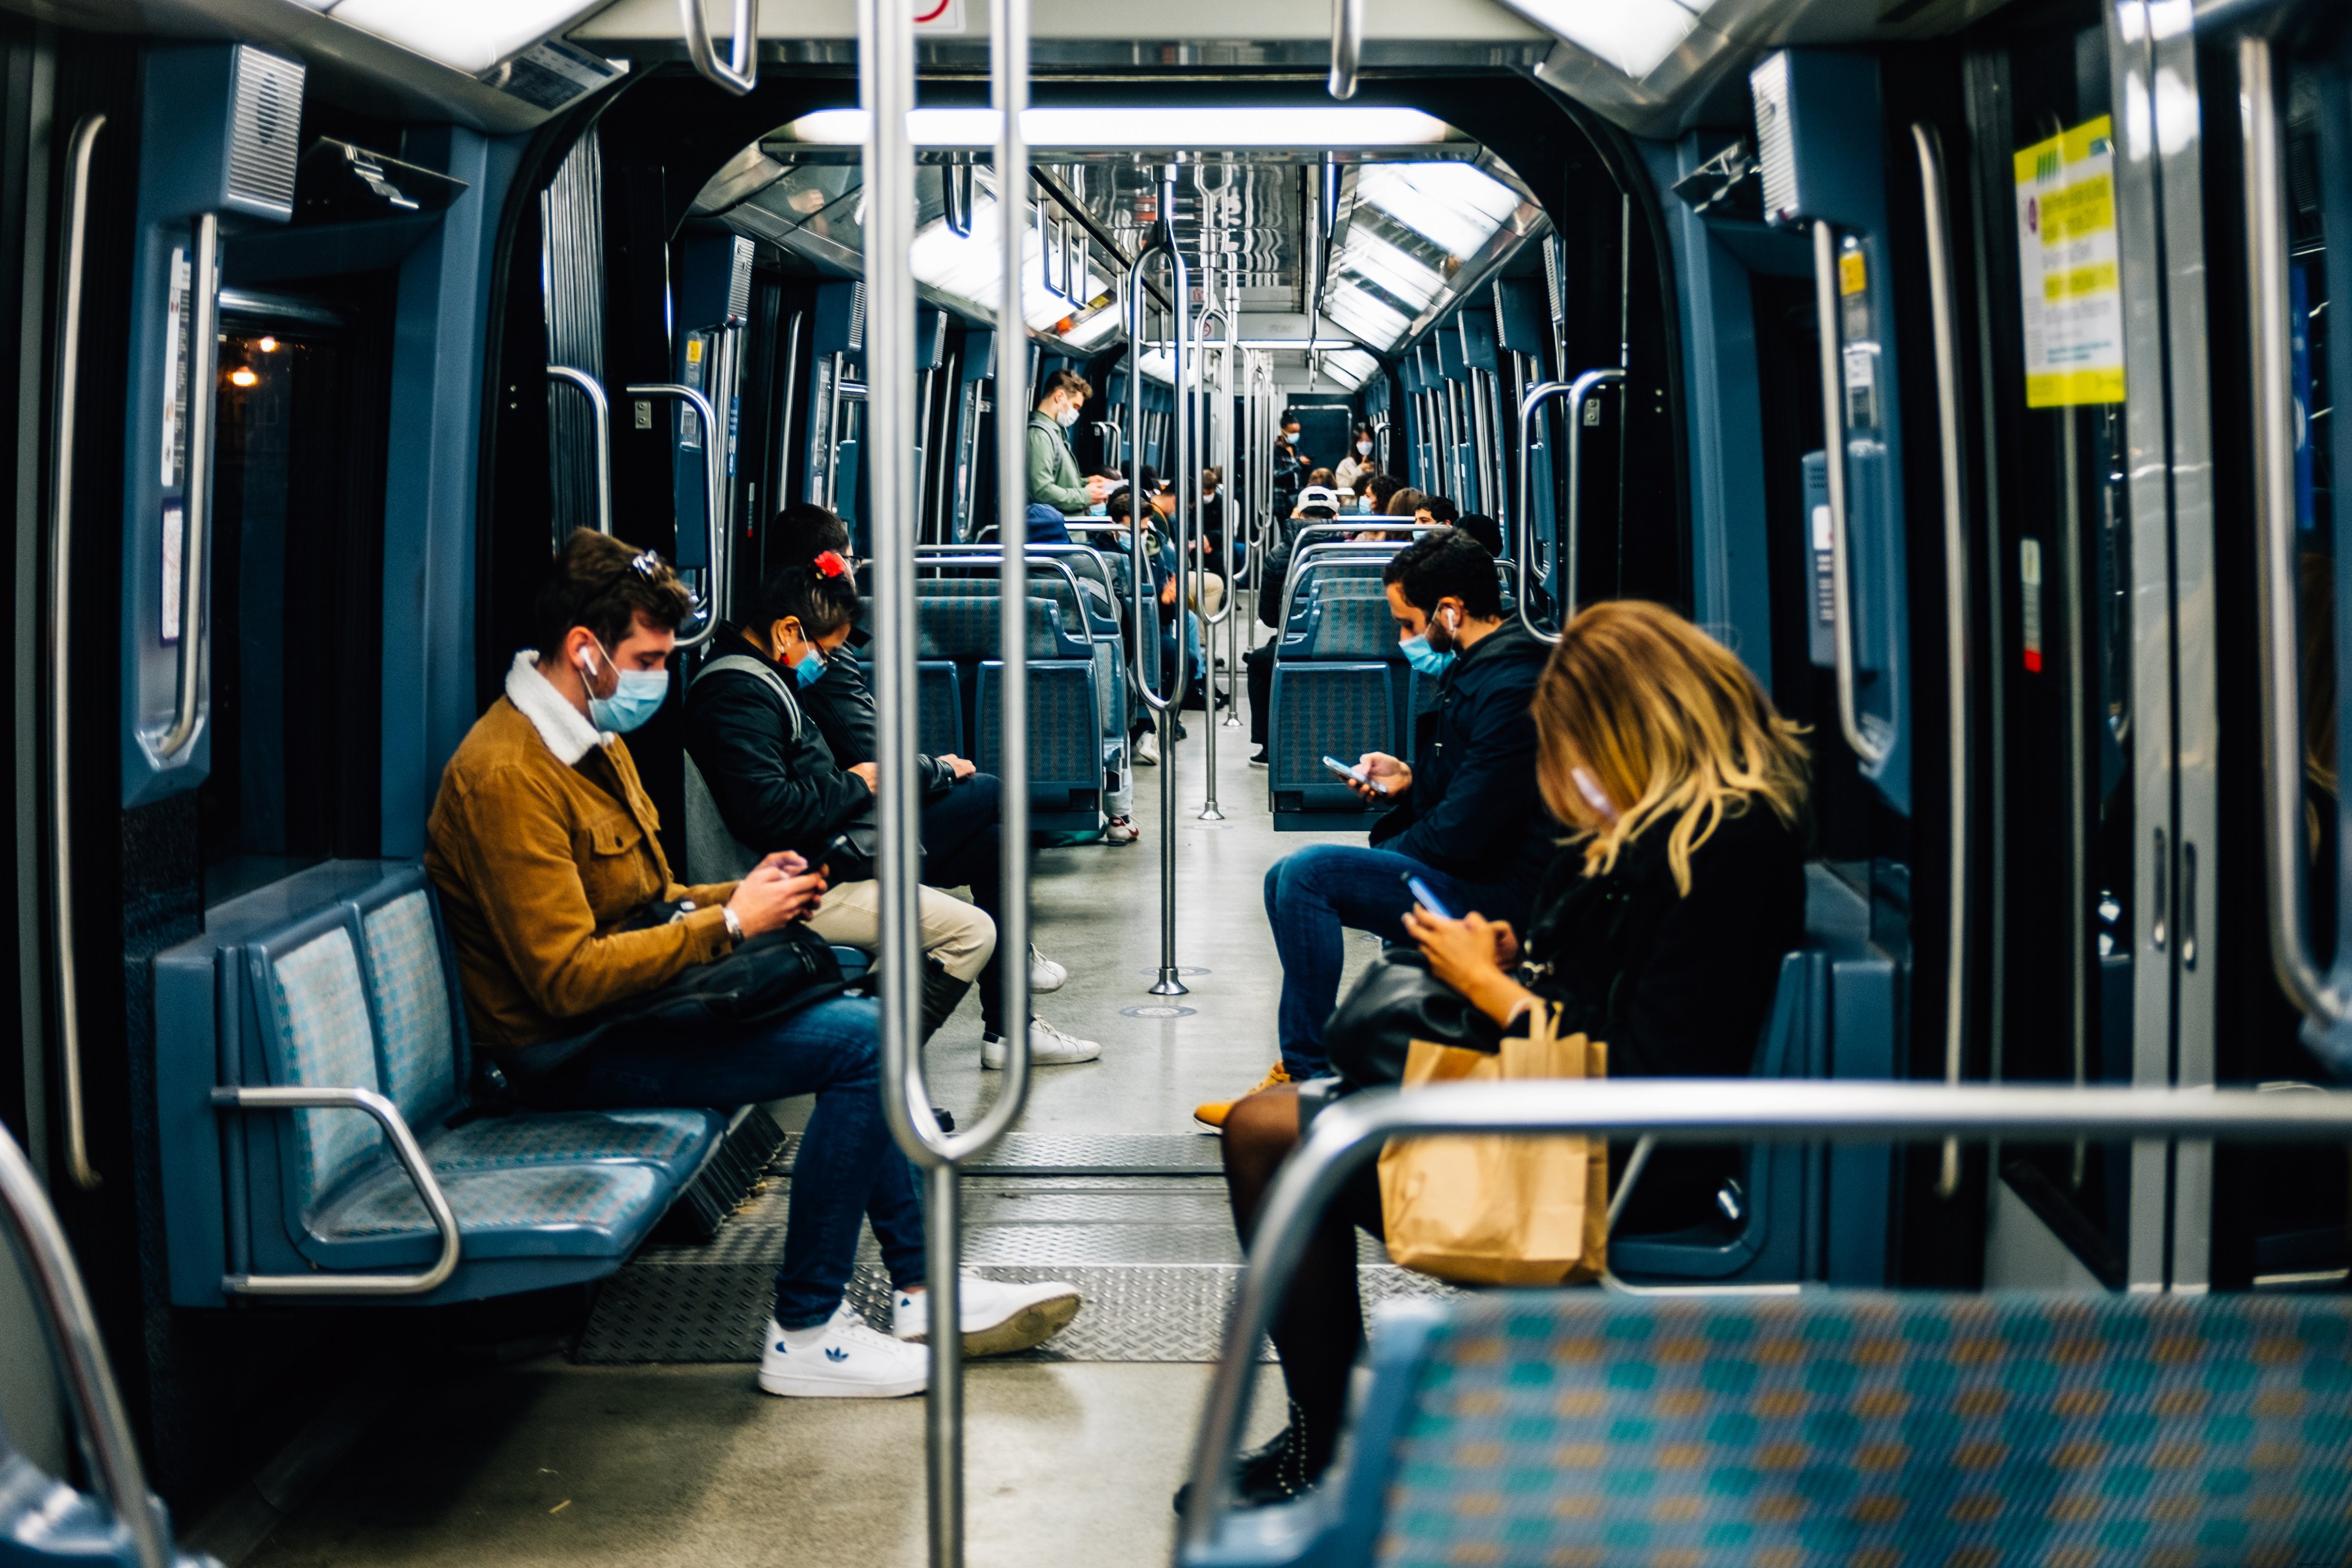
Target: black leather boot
x,y
942,994
1286,1466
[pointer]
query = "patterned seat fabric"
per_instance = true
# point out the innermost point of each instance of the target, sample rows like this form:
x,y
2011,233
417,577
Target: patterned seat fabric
x,y
501,1212
1046,584
323,1040
965,631
1341,709
1064,726
412,1001
1856,1431
561,1137
1348,627
938,709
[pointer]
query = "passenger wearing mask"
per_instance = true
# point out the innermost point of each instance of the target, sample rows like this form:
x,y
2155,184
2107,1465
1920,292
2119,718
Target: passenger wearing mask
x,y
1383,490
841,707
1465,815
1435,511
771,782
546,854
1358,462
1156,553
1289,465
1053,477
1659,929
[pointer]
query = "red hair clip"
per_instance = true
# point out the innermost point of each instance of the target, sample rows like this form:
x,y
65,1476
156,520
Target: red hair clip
x,y
831,565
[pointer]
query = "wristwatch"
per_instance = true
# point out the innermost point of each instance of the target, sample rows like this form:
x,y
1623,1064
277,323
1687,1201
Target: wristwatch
x,y
734,924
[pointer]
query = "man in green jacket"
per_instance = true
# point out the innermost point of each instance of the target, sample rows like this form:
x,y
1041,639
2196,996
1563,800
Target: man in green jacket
x,y
1053,477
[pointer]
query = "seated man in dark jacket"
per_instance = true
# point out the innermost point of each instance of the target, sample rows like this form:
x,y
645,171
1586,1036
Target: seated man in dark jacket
x,y
775,784
1466,817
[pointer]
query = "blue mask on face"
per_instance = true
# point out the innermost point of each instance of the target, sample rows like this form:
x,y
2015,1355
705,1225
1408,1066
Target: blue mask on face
x,y
809,668
1424,658
637,698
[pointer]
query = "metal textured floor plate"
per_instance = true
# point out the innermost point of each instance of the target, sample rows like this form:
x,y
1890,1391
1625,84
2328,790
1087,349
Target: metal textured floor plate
x,y
1154,1257
1057,1154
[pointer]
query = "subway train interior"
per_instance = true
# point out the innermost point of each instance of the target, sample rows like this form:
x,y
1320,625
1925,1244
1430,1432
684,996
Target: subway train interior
x,y
1960,370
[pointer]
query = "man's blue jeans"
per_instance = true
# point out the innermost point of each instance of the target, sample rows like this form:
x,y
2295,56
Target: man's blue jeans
x,y
848,1166
1314,893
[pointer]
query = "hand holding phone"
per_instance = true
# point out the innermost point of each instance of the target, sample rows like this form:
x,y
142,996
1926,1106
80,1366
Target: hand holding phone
x,y
1355,774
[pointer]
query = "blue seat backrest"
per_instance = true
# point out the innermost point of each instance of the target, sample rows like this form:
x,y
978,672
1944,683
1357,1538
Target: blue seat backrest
x,y
1525,1428
1046,584
1349,577
417,1033
1345,627
965,630
312,1003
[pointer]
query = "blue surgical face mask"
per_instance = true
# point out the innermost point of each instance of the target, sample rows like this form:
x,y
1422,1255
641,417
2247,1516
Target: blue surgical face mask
x,y
638,697
809,668
1424,658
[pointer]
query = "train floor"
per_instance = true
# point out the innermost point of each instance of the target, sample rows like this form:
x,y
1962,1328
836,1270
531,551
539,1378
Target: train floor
x,y
645,1443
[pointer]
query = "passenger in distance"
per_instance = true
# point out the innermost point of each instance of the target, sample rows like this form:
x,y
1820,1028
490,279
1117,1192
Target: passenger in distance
x,y
544,848
843,706
1358,462
1465,815
1659,930
1053,477
1314,507
772,783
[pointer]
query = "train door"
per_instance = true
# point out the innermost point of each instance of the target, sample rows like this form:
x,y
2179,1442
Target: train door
x,y
2279,178
2099,679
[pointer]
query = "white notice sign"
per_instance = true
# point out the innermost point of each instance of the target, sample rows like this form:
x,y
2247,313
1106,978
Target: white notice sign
x,y
2066,269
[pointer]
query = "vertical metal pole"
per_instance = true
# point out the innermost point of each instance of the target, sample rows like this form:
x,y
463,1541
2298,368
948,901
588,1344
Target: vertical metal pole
x,y
1145,615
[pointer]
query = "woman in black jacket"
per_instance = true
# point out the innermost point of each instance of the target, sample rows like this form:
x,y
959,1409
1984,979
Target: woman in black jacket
x,y
768,775
1686,794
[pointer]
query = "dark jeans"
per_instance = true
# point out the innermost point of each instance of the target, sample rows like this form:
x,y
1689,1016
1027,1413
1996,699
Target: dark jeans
x,y
962,846
1312,895
847,1168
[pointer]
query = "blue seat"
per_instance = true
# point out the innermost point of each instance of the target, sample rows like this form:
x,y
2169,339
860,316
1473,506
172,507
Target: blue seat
x,y
1066,753
1339,707
939,709
1518,1428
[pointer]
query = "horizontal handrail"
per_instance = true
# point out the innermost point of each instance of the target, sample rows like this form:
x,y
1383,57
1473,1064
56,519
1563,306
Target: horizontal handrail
x,y
1325,549
714,487
296,1097
1351,1133
111,1453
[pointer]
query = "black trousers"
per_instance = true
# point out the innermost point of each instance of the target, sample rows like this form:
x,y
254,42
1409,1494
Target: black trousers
x,y
962,846
1320,1330
1260,663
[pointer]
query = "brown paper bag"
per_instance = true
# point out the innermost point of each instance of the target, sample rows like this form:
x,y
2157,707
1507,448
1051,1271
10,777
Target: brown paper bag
x,y
1494,1210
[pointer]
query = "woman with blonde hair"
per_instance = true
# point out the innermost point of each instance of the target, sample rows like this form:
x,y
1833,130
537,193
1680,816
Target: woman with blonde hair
x,y
1659,929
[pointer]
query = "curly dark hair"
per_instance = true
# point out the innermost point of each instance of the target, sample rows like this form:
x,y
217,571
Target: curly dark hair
x,y
599,582
823,602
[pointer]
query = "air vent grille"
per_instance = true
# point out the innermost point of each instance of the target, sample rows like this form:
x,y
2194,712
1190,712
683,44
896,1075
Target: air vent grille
x,y
264,134
858,317
1775,147
738,282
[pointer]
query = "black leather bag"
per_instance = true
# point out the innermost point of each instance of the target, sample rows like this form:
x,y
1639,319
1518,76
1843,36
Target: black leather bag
x,y
766,977
1397,1002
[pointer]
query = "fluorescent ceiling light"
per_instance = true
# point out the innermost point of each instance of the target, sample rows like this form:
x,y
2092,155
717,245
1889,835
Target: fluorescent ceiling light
x,y
1091,130
1407,277
470,36
1455,206
1367,318
1351,368
1634,35
967,266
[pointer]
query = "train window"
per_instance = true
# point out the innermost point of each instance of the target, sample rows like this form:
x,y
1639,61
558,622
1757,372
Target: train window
x,y
297,590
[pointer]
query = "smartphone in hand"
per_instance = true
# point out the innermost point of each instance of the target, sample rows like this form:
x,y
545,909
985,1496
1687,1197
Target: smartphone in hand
x,y
1355,774
1425,898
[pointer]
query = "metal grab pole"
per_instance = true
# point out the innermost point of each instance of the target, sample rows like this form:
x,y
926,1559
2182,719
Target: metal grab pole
x,y
712,608
1347,1136
1212,624
571,376
1237,525
886,82
1145,618
61,500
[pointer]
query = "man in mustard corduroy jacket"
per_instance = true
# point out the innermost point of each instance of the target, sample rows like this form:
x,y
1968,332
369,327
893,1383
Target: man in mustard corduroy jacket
x,y
543,845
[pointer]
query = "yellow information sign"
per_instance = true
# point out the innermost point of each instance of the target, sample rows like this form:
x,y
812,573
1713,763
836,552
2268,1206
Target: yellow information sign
x,y
2073,296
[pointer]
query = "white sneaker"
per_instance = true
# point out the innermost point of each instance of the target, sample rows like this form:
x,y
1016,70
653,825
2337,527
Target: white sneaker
x,y
999,1316
1120,830
1146,750
1048,1046
850,1362
1044,974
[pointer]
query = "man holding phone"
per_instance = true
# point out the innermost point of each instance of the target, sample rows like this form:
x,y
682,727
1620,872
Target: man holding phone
x,y
1465,816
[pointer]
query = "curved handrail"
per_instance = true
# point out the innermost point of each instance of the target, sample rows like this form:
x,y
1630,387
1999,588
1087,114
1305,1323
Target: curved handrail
x,y
412,1160
741,73
1347,1134
197,499
714,487
110,1449
1327,550
931,556
1957,630
1825,307
1535,398
2268,310
61,498
1347,47
572,376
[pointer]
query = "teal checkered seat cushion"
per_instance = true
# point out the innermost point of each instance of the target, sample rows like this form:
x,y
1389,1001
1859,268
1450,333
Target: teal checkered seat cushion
x,y
965,631
1064,726
414,1034
503,1213
669,1139
1872,1431
323,1040
1347,626
1339,709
